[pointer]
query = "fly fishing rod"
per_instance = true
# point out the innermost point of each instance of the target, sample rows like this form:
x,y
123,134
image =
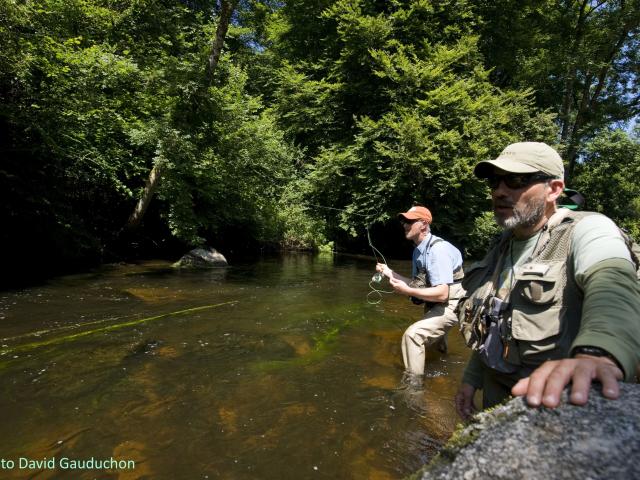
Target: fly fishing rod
x,y
377,254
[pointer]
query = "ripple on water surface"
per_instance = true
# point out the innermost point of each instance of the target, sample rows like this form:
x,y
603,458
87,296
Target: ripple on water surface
x,y
287,373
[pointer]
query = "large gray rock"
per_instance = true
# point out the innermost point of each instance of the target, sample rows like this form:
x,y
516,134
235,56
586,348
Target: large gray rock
x,y
598,441
202,257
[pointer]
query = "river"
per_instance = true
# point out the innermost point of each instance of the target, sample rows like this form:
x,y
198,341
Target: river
x,y
283,368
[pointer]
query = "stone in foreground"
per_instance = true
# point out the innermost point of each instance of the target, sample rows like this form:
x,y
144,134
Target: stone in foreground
x,y
598,441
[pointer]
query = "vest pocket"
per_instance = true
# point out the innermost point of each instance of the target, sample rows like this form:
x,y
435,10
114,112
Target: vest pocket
x,y
533,324
538,283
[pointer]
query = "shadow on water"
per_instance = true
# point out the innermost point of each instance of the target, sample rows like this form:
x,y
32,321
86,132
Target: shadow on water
x,y
276,369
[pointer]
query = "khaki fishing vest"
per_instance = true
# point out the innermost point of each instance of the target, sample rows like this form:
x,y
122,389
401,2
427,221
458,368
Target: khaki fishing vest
x,y
545,304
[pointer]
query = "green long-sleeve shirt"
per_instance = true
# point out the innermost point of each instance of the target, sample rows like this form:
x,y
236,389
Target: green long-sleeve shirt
x,y
610,317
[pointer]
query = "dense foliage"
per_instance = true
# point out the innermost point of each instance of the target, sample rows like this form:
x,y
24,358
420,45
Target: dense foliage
x,y
321,118
610,173
581,57
97,93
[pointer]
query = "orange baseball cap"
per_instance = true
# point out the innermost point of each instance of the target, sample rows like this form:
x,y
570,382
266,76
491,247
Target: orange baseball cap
x,y
417,213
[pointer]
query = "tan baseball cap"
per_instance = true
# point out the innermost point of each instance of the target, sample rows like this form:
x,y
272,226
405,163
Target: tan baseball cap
x,y
524,157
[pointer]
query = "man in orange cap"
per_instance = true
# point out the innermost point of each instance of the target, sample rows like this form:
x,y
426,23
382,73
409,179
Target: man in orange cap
x,y
436,276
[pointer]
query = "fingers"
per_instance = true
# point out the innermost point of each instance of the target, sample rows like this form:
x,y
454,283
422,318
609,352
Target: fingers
x,y
460,406
520,388
558,378
609,375
610,385
384,269
580,386
461,410
589,368
545,385
535,386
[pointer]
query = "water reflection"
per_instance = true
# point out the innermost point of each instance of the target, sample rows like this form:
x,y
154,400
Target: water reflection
x,y
291,375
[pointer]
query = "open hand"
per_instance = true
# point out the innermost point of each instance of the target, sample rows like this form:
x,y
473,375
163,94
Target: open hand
x,y
546,383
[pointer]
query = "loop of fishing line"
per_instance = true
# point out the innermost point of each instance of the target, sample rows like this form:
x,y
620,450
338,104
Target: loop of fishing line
x,y
374,290
376,253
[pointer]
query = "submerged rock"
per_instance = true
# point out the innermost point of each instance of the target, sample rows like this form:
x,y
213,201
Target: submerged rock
x,y
600,440
202,258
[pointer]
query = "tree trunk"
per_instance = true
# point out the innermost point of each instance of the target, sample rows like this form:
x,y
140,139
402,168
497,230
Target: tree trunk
x,y
589,98
226,10
571,74
151,185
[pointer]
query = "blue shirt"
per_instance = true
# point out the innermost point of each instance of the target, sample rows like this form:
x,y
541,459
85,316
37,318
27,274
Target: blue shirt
x,y
440,260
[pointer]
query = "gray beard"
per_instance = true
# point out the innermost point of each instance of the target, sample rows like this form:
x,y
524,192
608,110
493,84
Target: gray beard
x,y
526,217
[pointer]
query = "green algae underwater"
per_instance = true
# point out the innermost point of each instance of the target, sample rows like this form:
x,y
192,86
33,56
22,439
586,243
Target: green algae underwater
x,y
275,369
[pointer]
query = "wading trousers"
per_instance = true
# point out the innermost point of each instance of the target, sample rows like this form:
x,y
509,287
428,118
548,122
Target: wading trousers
x,y
434,326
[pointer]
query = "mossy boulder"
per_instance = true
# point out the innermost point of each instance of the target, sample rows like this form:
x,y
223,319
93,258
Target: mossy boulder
x,y
600,440
202,258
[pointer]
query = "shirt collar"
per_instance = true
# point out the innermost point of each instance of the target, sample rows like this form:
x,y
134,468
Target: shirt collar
x,y
423,245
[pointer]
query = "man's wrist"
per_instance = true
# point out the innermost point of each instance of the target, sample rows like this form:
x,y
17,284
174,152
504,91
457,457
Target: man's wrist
x,y
595,352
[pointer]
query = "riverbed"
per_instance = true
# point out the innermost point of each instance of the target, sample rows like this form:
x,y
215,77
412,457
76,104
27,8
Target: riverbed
x,y
281,368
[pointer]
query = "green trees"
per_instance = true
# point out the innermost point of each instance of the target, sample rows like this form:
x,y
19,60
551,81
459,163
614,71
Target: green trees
x,y
66,100
579,56
94,95
231,182
609,176
249,112
400,108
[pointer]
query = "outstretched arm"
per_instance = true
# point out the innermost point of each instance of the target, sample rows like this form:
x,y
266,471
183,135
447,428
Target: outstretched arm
x,y
438,294
610,322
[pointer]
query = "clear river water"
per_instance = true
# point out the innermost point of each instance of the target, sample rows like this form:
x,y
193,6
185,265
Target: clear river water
x,y
278,369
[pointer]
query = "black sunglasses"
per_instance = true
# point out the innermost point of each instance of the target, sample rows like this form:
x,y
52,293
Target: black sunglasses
x,y
516,180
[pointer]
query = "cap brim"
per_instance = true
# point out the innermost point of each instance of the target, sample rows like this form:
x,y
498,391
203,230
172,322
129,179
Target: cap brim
x,y
487,167
410,216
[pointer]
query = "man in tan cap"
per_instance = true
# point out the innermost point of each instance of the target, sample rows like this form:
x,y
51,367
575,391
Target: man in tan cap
x,y
436,276
555,301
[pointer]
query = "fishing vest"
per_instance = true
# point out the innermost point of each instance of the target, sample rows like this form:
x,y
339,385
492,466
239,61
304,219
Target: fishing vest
x,y
544,310
421,279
